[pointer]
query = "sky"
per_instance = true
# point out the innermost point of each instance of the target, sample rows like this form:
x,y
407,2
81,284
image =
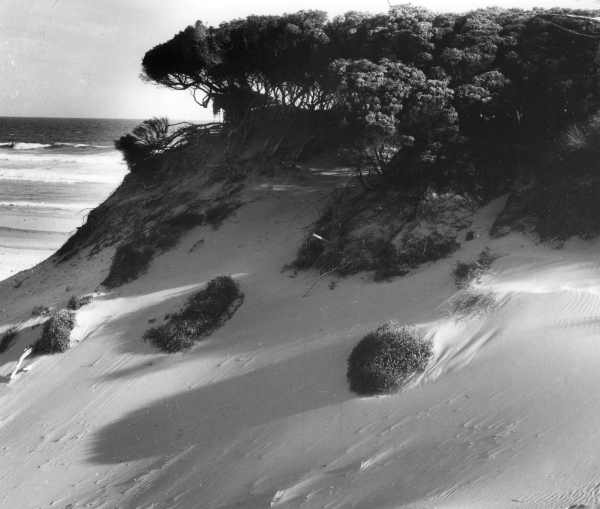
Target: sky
x,y
82,58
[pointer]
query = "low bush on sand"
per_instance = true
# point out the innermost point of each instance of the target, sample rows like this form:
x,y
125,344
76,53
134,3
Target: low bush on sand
x,y
41,311
8,338
78,302
465,272
129,262
204,312
385,359
56,334
472,303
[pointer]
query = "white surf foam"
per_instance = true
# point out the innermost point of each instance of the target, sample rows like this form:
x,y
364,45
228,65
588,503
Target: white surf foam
x,y
47,205
24,145
108,176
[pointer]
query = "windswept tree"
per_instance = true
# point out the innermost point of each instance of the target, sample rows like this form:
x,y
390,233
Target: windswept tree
x,y
250,63
408,83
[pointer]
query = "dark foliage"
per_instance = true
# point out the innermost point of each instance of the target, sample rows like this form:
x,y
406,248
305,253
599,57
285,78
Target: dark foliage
x,y
465,272
203,313
8,339
309,253
554,208
132,258
83,235
422,96
216,214
77,302
130,261
147,140
41,311
429,249
385,359
388,232
473,302
56,333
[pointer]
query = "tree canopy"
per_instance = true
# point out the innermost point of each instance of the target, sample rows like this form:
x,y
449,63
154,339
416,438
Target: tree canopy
x,y
407,81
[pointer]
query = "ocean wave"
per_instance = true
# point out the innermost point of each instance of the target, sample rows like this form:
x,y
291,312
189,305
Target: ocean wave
x,y
25,145
27,231
27,247
48,205
37,158
106,176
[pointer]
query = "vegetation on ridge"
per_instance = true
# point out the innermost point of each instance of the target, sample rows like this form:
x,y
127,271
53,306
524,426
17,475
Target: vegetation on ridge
x,y
460,107
133,257
422,97
386,232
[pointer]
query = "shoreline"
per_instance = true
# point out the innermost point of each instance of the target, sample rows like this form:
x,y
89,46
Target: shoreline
x,y
15,260
38,216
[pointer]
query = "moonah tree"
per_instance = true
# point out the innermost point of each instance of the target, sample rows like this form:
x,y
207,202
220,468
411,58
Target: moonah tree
x,y
394,109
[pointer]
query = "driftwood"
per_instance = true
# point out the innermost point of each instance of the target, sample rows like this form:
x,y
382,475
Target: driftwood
x,y
26,353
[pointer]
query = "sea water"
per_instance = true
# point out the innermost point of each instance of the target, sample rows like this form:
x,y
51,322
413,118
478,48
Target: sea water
x,y
53,171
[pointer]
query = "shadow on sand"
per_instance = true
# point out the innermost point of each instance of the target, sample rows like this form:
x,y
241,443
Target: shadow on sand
x,y
215,414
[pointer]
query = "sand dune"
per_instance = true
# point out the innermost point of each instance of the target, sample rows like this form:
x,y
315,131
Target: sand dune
x,y
260,415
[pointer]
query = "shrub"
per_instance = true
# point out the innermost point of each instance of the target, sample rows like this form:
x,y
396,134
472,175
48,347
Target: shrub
x,y
472,302
41,311
133,152
418,248
56,333
148,139
308,254
385,359
8,339
129,262
203,313
215,215
152,133
465,272
171,337
77,302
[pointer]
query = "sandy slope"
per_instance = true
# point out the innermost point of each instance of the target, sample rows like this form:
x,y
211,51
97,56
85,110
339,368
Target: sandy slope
x,y
260,415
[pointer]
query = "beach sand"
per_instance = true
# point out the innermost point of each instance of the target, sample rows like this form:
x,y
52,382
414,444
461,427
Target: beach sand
x,y
260,414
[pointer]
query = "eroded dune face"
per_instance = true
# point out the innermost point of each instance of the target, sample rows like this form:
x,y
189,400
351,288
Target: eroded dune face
x,y
260,415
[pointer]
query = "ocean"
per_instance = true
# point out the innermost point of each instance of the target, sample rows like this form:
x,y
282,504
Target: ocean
x,y
53,171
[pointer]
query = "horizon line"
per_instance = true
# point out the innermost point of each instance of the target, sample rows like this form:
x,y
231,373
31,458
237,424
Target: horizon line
x,y
97,118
